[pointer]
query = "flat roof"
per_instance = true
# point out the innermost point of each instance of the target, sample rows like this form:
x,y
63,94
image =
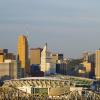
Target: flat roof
x,y
36,49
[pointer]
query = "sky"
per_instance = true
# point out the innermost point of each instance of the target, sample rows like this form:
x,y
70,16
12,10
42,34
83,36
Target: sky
x,y
68,26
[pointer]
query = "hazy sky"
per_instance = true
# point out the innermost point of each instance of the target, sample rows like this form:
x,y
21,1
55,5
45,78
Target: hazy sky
x,y
68,26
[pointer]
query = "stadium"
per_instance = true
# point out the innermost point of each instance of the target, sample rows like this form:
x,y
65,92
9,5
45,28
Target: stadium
x,y
48,88
40,85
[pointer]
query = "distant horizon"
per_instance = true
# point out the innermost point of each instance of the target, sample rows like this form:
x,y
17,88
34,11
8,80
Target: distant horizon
x,y
69,27
48,49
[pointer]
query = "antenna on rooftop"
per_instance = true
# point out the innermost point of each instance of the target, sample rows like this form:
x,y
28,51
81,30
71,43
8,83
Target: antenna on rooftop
x,y
46,43
27,35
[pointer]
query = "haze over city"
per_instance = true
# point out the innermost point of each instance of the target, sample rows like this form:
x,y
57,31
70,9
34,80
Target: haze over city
x,y
49,50
68,26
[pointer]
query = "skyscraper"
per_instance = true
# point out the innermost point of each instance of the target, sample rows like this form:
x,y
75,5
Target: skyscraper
x,y
97,68
23,53
47,66
35,56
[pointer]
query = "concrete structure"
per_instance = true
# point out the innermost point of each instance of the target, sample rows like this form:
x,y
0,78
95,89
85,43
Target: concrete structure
x,y
2,58
87,66
9,68
85,69
57,87
11,56
47,66
35,56
23,54
90,59
3,53
35,71
97,68
15,94
47,86
56,57
61,67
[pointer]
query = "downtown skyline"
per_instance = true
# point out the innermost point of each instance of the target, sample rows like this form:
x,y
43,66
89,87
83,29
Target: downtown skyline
x,y
69,27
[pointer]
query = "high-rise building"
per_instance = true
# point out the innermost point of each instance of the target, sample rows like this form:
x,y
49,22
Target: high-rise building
x,y
47,66
89,58
56,57
3,53
23,54
61,67
35,56
9,68
97,67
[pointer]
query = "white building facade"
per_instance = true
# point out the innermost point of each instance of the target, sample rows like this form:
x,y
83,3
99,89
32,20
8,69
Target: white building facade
x,y
47,66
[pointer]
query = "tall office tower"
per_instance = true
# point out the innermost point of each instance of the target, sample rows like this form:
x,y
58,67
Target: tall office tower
x,y
97,68
47,66
23,54
35,56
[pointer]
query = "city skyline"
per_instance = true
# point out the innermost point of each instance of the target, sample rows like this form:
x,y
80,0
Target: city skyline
x,y
49,49
69,27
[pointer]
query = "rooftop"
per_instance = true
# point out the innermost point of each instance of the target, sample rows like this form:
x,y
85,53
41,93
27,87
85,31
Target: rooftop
x,y
39,78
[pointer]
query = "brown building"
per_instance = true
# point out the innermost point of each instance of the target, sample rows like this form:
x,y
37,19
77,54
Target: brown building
x,y
11,56
3,53
9,68
35,56
97,68
1,58
56,57
90,59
